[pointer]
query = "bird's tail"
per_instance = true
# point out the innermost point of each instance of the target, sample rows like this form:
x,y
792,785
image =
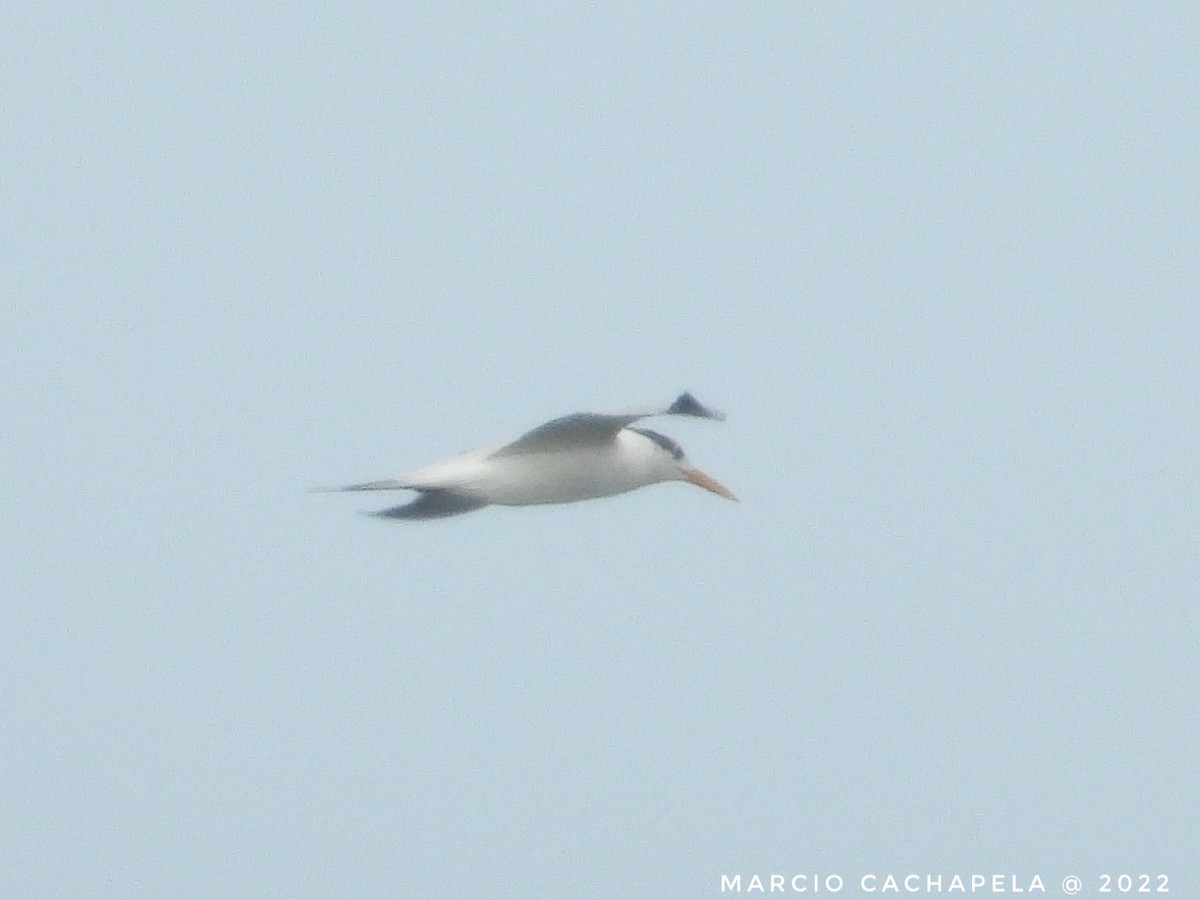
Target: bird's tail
x,y
385,484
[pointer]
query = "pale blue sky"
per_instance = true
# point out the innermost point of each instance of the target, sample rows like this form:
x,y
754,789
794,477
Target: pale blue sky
x,y
939,265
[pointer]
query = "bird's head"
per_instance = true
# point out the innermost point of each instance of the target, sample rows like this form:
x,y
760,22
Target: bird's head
x,y
666,461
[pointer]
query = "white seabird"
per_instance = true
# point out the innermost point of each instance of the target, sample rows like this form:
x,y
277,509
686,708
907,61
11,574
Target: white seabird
x,y
577,457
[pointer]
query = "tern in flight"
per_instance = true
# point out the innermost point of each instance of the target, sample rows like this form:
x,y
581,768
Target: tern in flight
x,y
576,457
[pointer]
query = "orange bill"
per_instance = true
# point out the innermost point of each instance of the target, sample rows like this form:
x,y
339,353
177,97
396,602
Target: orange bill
x,y
698,478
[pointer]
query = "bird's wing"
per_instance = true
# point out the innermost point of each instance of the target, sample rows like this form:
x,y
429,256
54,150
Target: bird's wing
x,y
433,504
596,429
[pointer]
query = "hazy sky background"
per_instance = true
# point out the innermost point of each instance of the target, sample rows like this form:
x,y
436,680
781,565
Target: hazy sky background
x,y
938,264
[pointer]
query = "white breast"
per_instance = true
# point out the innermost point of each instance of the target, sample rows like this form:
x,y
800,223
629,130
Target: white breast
x,y
580,474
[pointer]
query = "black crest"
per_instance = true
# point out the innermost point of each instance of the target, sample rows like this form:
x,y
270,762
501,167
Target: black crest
x,y
663,441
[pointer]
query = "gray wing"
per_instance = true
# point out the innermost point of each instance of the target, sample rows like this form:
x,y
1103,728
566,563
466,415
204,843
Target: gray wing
x,y
592,429
433,504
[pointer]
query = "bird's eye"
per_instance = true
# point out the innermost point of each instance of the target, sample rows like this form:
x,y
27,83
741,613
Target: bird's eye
x,y
663,441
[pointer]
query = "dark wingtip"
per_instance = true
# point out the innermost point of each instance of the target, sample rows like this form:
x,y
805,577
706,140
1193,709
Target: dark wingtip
x,y
687,405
